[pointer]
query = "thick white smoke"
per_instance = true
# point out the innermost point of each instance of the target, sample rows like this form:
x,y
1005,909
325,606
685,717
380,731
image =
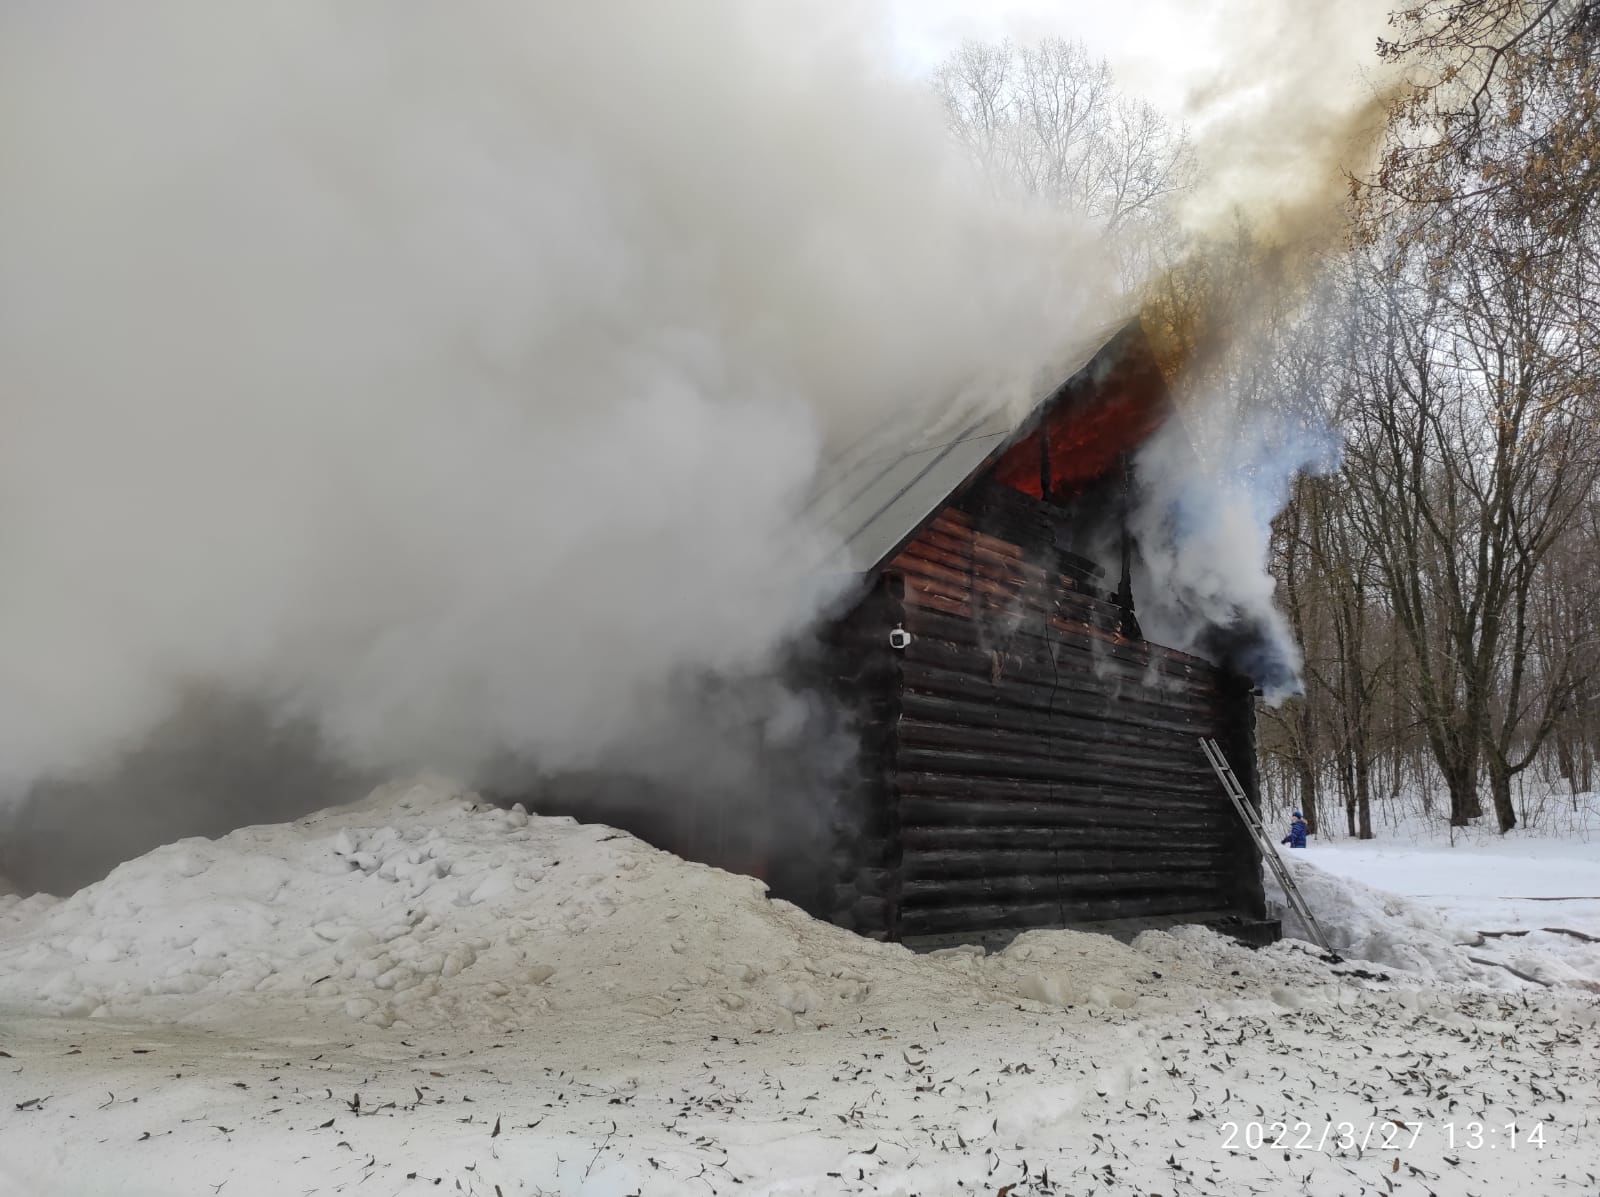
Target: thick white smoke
x,y
448,374
1208,486
1289,102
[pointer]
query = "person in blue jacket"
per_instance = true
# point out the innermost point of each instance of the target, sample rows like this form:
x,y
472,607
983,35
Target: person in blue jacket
x,y
1297,832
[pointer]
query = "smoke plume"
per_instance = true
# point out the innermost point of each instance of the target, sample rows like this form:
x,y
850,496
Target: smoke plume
x,y
446,377
1296,103
1296,106
1206,499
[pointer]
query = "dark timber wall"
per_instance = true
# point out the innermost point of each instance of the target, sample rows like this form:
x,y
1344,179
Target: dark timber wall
x,y
1021,763
1028,760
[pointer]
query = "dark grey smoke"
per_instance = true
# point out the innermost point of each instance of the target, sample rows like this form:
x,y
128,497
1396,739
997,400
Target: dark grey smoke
x,y
218,762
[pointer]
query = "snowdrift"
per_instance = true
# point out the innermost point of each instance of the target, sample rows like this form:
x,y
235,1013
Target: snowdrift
x,y
1372,925
425,991
423,907
1369,924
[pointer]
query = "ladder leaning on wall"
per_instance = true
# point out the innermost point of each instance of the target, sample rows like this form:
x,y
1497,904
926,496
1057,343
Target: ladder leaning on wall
x,y
1269,850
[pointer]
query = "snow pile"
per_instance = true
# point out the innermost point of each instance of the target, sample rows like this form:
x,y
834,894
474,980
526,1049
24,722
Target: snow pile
x,y
433,994
1066,969
1374,925
422,907
1551,957
1160,973
1369,924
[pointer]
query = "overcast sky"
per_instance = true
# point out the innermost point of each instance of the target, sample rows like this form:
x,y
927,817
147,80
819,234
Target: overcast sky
x,y
1277,93
1159,48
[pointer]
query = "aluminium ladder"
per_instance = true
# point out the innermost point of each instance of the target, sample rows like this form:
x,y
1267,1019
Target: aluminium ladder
x,y
1269,850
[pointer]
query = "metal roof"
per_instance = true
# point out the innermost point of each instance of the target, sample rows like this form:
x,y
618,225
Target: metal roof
x,y
875,494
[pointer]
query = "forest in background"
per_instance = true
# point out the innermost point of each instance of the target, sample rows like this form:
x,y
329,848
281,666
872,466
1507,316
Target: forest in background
x,y
1443,577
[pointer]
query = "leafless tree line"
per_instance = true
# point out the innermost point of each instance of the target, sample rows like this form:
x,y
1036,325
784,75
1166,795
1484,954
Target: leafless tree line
x,y
1048,120
1444,579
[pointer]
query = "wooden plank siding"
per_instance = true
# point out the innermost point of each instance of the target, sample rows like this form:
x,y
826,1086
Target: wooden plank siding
x,y
1022,764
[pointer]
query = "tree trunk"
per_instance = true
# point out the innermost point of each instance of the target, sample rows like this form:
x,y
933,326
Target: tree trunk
x,y
1566,765
1500,789
1306,775
1461,779
1363,795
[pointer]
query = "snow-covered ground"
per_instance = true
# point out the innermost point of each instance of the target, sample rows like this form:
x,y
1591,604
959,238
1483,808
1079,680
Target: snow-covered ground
x,y
1529,900
422,994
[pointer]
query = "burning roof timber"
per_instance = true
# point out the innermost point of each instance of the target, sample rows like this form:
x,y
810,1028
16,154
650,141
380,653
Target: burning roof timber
x,y
877,493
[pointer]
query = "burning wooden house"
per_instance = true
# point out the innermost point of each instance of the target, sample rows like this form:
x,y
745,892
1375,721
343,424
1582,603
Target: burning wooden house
x,y
1022,756
1026,757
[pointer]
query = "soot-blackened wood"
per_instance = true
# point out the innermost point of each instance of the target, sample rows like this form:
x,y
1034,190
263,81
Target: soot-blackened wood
x,y
1068,771
1100,794
999,510
1077,753
1002,694
1239,745
1142,838
1112,813
865,867
1025,531
1070,692
943,865
1109,795
1016,916
1104,658
1081,716
1067,888
986,712
1029,762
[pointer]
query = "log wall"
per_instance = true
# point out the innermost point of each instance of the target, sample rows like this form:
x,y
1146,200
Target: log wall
x,y
1021,763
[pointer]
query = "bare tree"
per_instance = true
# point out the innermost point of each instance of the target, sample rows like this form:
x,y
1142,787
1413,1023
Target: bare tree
x,y
1567,621
1444,581
1048,118
1503,116
1472,449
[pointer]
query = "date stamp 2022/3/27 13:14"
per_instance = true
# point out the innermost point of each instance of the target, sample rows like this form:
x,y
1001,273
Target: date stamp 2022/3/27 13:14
x,y
1338,1137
